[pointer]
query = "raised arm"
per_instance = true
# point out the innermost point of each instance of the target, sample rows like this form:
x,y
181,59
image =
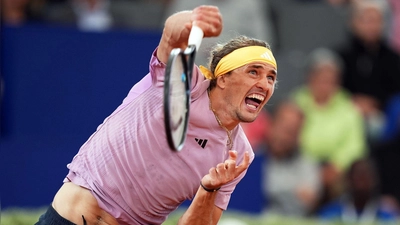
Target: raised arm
x,y
177,28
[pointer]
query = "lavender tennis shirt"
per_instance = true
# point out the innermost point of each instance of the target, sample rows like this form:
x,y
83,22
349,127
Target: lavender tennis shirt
x,y
127,163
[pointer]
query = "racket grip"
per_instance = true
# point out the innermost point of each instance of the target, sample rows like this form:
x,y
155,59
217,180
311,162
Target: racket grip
x,y
196,36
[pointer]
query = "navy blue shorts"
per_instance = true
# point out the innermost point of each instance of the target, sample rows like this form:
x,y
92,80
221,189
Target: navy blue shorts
x,y
51,217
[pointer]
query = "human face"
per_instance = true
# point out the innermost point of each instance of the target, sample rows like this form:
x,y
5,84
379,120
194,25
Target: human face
x,y
248,89
324,82
368,24
285,130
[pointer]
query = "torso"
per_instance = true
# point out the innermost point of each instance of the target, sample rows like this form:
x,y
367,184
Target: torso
x,y
130,169
72,202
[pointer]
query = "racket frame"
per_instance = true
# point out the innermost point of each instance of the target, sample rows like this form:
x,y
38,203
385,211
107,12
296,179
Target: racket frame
x,y
187,58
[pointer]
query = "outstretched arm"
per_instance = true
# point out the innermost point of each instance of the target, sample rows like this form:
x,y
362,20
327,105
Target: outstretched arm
x,y
177,28
202,210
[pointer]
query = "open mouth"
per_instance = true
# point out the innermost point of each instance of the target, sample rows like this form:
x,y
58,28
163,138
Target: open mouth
x,y
253,101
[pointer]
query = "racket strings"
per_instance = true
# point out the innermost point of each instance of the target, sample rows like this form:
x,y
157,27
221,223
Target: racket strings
x,y
229,142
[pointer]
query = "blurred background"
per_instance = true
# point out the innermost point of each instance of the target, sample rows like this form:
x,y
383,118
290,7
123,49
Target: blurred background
x,y
327,144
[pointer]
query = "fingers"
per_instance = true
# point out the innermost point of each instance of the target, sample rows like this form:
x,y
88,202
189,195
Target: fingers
x,y
222,173
226,171
244,165
229,170
232,155
209,19
230,163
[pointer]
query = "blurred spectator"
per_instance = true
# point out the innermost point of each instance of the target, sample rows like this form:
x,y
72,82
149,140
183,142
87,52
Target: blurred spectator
x,y
361,202
291,182
87,15
18,12
101,15
92,15
333,131
371,67
13,11
395,24
241,18
387,152
392,126
258,131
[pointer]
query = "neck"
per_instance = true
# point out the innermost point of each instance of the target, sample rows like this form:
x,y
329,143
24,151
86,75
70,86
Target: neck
x,y
322,101
221,115
369,45
229,142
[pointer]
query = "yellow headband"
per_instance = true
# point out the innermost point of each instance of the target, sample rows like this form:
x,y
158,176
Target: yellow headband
x,y
238,58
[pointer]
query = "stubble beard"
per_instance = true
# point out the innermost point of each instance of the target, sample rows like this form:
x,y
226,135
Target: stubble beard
x,y
245,119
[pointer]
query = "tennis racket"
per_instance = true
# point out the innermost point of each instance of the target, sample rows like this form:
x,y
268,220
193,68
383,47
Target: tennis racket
x,y
178,74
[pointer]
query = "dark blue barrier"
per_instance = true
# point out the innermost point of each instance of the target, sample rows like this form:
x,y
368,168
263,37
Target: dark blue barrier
x,y
59,85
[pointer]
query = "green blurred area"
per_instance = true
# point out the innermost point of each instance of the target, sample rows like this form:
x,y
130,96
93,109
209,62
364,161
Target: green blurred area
x,y
30,217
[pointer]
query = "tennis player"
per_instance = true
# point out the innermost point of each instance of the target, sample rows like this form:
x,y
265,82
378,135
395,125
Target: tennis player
x,y
125,173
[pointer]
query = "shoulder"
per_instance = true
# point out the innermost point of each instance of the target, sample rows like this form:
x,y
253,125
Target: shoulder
x,y
199,84
303,98
155,62
343,101
241,143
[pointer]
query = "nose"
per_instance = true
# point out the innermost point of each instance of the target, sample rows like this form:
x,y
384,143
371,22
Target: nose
x,y
265,84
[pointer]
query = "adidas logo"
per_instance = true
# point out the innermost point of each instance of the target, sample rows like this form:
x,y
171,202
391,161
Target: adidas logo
x,y
266,56
201,142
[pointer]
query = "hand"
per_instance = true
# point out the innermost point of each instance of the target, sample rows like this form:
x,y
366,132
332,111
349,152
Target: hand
x,y
307,195
208,18
330,174
367,105
178,26
226,171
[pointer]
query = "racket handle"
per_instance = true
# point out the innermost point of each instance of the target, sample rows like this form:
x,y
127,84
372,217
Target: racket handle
x,y
196,36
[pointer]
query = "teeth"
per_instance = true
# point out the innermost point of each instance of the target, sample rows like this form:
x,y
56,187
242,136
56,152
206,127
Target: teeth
x,y
256,96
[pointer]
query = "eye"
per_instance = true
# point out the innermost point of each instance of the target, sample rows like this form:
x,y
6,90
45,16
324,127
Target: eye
x,y
253,72
271,77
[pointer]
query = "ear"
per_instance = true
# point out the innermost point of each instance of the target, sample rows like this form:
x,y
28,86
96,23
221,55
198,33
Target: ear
x,y
221,81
